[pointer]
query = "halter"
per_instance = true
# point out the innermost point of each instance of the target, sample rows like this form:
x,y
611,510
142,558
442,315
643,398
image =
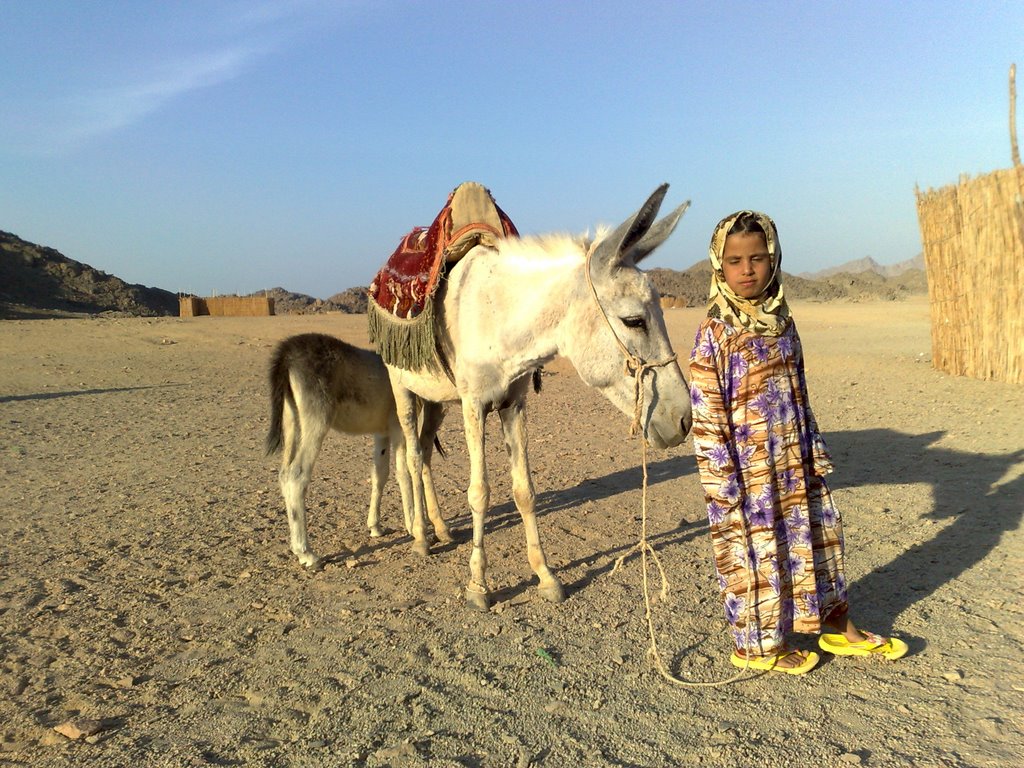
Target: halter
x,y
634,365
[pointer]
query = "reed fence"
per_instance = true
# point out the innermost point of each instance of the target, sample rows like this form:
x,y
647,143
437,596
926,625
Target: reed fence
x,y
226,306
973,237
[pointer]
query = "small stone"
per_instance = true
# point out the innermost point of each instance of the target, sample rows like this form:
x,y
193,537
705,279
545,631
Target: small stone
x,y
79,728
851,757
954,676
351,562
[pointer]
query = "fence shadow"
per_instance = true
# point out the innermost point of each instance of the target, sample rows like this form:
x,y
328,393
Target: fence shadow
x,y
968,493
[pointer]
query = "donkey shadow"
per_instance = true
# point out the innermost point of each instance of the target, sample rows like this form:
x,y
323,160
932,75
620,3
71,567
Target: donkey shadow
x,y
966,490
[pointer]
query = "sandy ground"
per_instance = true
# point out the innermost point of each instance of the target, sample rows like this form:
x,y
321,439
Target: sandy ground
x,y
147,594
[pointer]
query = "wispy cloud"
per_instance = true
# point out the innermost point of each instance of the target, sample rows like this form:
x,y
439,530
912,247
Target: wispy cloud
x,y
100,112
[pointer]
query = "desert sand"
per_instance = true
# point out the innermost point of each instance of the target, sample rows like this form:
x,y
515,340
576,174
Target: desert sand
x,y
151,611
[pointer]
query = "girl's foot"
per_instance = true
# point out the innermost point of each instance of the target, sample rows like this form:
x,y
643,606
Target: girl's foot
x,y
788,662
891,648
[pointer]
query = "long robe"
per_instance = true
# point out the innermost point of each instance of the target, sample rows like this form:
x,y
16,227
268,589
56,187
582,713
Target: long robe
x,y
774,528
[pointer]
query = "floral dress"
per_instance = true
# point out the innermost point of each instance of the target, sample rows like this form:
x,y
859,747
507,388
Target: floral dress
x,y
774,528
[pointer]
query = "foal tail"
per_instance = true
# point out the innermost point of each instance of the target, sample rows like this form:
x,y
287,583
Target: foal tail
x,y
280,389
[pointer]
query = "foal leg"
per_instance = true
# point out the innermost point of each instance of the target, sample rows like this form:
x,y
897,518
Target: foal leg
x,y
377,481
405,403
479,494
513,426
432,416
402,474
301,446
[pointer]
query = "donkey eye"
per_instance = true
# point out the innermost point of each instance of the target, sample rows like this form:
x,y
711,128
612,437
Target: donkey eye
x,y
637,321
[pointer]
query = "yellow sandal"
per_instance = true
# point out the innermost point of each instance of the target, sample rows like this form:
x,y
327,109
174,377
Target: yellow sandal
x,y
890,648
770,663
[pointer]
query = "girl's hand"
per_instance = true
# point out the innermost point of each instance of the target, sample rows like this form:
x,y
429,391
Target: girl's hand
x,y
821,456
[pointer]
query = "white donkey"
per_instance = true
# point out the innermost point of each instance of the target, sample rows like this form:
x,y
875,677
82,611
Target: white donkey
x,y
506,310
319,383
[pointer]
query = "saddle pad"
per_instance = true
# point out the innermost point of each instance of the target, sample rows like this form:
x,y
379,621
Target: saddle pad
x,y
401,323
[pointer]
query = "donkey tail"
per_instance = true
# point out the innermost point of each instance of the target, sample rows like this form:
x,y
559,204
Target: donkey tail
x,y
280,389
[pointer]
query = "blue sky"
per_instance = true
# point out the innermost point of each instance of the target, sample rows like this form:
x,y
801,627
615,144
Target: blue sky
x,y
223,146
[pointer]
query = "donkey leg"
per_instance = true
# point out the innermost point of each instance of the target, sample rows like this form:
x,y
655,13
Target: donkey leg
x,y
433,415
513,426
479,495
405,402
377,481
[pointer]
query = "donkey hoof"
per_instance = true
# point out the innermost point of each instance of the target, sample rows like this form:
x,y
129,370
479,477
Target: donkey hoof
x,y
478,601
310,561
375,532
444,536
553,593
421,548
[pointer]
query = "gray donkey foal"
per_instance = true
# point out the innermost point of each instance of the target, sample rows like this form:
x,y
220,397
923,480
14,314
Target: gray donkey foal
x,y
319,383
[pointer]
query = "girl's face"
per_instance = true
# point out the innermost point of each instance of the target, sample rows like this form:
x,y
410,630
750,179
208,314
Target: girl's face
x,y
746,264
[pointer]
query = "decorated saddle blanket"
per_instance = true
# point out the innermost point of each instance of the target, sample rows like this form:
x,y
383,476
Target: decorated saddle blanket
x,y
401,322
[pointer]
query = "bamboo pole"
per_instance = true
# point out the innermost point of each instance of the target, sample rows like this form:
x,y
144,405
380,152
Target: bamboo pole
x,y
1014,151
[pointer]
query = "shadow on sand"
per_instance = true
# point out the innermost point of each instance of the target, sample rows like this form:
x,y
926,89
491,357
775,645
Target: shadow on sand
x,y
77,392
968,491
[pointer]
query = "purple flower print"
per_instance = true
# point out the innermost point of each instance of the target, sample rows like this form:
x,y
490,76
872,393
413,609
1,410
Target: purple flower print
x,y
722,583
763,405
743,433
716,513
795,517
789,482
828,515
761,513
733,607
697,399
771,389
787,411
775,581
787,607
794,564
745,454
718,455
730,489
760,348
706,346
738,367
841,587
811,603
773,444
785,345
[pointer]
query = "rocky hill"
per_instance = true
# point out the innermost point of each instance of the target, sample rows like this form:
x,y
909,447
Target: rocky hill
x,y
867,264
351,301
38,281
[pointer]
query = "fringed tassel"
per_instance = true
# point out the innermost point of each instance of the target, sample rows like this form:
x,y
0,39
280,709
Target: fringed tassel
x,y
403,343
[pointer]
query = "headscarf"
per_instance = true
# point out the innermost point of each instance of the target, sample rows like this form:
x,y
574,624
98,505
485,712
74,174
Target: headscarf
x,y
765,315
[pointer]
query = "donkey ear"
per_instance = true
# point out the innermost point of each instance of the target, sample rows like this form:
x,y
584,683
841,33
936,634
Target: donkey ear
x,y
612,250
655,236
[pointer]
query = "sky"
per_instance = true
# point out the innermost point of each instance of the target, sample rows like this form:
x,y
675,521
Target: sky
x,y
223,146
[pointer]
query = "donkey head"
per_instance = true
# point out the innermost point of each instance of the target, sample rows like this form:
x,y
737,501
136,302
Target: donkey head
x,y
620,320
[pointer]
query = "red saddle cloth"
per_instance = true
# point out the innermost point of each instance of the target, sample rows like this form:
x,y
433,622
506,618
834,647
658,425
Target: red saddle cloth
x,y
410,276
401,322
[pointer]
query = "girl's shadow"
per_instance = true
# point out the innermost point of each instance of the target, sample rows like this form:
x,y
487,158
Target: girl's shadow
x,y
966,489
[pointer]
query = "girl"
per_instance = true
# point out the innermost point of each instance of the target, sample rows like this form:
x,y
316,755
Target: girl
x,y
776,535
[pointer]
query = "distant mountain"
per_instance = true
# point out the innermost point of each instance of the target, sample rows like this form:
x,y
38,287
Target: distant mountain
x,y
867,264
351,301
690,287
37,281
